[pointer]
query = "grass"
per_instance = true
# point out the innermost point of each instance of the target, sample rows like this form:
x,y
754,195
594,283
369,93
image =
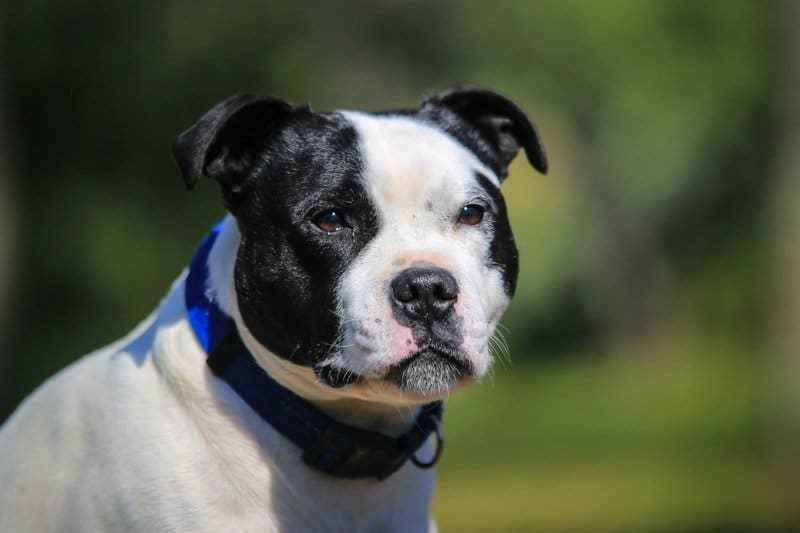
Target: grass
x,y
674,439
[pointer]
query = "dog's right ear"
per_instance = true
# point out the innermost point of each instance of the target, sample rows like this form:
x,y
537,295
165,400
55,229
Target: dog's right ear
x,y
225,143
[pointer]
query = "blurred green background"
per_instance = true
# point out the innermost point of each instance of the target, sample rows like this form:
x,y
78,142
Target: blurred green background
x,y
654,382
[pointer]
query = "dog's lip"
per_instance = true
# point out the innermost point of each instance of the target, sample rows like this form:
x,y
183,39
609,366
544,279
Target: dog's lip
x,y
431,371
435,351
451,354
337,376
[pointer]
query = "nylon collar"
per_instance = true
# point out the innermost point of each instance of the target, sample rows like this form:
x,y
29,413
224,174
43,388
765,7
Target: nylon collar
x,y
327,445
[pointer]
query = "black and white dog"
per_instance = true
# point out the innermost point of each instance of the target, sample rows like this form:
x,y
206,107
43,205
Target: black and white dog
x,y
291,378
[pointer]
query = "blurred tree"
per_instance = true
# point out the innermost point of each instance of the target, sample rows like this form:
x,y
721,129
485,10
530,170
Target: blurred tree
x,y
6,210
659,118
784,229
653,113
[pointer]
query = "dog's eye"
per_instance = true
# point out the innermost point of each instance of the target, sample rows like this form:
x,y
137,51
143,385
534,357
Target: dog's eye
x,y
329,221
471,214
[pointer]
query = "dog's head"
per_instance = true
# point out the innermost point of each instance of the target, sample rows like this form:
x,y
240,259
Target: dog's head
x,y
374,248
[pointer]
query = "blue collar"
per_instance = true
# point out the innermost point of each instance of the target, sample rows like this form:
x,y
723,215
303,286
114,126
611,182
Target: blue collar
x,y
327,445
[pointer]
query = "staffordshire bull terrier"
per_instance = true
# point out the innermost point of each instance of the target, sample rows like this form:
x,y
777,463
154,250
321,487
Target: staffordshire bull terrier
x,y
292,378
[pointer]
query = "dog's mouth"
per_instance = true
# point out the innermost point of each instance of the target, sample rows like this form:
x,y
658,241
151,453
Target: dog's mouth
x,y
430,371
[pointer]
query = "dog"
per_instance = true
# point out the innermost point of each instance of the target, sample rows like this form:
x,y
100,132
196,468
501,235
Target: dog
x,y
292,377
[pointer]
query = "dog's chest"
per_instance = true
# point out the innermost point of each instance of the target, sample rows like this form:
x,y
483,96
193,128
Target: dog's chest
x,y
252,476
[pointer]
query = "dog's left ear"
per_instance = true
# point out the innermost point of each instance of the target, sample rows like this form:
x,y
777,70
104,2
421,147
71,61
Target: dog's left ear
x,y
499,120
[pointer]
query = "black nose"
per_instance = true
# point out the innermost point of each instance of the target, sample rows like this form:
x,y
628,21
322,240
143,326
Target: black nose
x,y
424,293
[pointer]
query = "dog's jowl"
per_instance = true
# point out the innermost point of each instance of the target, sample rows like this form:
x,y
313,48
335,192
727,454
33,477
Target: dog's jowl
x,y
292,377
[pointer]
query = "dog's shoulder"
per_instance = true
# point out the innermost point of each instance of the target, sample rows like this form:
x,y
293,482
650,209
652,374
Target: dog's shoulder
x,y
86,429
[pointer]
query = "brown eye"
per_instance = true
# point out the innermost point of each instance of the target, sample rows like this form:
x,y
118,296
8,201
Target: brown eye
x,y
470,214
329,221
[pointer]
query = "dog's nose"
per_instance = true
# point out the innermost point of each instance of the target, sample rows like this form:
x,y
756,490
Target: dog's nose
x,y
424,293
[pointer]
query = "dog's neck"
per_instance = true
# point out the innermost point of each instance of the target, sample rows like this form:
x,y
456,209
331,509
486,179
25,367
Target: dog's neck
x,y
367,407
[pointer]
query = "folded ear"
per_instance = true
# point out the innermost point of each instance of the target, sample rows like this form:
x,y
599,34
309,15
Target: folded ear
x,y
500,121
225,143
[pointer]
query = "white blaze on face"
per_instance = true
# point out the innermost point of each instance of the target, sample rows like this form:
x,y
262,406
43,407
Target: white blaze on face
x,y
418,178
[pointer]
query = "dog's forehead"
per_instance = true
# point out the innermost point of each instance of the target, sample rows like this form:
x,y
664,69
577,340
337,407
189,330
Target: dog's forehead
x,y
407,160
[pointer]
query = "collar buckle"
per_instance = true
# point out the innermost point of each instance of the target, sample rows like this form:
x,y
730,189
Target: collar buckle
x,y
343,451
337,453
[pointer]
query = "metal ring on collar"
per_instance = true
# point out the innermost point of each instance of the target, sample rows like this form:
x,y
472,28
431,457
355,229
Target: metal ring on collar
x,y
437,453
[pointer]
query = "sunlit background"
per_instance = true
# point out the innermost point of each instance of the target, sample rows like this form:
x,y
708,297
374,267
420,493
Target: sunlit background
x,y
654,380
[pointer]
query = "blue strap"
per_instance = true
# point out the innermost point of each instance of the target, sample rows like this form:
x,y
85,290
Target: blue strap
x,y
209,323
327,445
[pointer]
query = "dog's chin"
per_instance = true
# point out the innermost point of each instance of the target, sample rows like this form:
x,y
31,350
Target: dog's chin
x,y
431,372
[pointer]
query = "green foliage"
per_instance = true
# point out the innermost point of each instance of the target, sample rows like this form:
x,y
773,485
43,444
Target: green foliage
x,y
672,440
659,119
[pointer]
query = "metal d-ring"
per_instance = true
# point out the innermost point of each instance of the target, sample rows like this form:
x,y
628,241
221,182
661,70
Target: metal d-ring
x,y
437,453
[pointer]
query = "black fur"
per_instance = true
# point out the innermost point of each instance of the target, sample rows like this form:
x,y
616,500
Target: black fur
x,y
226,142
287,269
491,125
278,165
503,249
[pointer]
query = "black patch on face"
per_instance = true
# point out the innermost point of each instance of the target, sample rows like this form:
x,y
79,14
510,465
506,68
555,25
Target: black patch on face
x,y
287,269
503,250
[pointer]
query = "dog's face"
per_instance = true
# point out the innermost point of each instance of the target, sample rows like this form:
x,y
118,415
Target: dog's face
x,y
375,247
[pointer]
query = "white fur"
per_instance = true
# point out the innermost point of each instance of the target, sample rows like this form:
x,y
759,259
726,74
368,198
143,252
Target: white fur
x,y
141,436
372,405
419,178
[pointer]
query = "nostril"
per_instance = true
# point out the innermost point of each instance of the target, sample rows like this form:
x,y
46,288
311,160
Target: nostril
x,y
442,292
415,292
